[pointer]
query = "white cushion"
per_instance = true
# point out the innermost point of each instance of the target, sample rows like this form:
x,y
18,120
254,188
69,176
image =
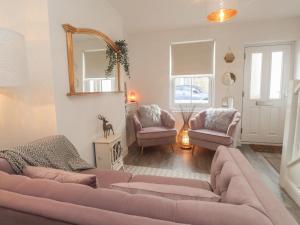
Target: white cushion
x,y
149,115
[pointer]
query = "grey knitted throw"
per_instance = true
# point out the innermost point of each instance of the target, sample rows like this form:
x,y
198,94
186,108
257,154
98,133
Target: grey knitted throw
x,y
52,152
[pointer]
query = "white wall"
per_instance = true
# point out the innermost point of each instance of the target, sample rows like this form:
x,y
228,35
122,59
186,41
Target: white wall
x,y
77,116
27,112
297,60
149,55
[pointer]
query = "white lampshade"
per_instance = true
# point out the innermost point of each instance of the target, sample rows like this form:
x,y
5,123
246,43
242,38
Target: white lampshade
x,y
13,64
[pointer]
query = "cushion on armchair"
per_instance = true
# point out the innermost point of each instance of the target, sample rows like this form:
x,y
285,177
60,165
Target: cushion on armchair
x,y
149,115
211,136
219,119
156,132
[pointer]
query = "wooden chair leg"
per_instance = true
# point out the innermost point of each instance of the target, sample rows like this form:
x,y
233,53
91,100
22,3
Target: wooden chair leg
x,y
142,150
172,147
193,148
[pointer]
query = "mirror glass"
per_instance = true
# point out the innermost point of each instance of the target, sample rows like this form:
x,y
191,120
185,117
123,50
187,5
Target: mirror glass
x,y
90,64
228,78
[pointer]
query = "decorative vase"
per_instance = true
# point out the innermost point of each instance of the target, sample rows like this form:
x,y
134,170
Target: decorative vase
x,y
183,139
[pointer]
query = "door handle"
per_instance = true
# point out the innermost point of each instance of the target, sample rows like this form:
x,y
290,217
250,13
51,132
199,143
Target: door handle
x,y
261,103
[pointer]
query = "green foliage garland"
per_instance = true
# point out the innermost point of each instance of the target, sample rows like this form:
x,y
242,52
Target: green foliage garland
x,y
123,58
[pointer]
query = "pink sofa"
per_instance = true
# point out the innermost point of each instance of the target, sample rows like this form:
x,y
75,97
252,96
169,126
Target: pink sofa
x,y
245,200
213,138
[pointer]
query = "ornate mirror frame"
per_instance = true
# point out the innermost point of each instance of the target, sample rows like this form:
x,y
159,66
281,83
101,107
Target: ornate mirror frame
x,y
70,30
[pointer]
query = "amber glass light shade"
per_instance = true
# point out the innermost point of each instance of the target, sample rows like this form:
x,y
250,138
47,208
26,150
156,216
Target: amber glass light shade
x,y
222,15
183,137
132,97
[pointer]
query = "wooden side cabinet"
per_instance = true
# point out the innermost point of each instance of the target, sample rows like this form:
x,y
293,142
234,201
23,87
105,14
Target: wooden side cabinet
x,y
108,153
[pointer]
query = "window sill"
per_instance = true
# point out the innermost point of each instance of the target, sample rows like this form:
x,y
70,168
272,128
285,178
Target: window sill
x,y
197,109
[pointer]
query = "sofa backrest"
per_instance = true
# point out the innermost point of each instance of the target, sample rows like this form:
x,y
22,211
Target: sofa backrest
x,y
238,183
186,212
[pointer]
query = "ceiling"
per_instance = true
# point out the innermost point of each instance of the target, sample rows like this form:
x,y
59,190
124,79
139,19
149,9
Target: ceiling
x,y
150,15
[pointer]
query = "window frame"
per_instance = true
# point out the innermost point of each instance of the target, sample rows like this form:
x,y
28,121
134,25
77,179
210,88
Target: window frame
x,y
198,106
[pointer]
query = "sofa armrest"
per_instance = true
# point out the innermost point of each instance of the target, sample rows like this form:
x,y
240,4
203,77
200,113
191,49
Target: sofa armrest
x,y
167,119
137,123
233,126
198,121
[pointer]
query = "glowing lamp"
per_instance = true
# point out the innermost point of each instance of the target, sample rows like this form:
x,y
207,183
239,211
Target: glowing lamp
x,y
184,140
132,96
221,11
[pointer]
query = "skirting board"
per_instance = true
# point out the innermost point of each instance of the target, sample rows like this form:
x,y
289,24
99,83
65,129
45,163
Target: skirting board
x,y
292,190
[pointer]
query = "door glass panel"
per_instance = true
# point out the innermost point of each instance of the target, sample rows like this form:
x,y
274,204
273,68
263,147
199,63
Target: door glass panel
x,y
276,75
256,72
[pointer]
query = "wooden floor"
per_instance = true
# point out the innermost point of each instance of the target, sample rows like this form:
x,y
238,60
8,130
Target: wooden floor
x,y
163,157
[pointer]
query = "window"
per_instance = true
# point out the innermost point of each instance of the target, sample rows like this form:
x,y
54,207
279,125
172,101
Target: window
x,y
98,84
192,73
94,78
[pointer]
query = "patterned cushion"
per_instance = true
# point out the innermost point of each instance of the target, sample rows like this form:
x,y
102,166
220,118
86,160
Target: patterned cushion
x,y
149,115
218,119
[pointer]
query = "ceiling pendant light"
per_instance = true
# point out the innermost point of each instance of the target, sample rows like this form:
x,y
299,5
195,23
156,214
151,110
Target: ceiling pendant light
x,y
221,10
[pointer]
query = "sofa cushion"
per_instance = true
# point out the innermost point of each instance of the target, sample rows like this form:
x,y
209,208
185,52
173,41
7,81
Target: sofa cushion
x,y
61,176
108,177
172,181
5,166
218,119
211,136
156,132
149,115
174,192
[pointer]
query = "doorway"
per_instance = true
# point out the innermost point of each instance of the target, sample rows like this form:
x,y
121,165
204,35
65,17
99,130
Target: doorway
x,y
266,75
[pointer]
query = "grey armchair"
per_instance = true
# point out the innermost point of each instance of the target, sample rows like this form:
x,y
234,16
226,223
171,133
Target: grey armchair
x,y
165,134
212,138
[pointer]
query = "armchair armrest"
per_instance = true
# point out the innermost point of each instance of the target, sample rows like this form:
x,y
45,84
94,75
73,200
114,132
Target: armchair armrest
x,y
167,119
137,123
232,127
198,121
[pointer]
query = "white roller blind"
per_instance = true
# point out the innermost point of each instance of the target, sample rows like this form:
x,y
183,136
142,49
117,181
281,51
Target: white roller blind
x,y
192,58
95,64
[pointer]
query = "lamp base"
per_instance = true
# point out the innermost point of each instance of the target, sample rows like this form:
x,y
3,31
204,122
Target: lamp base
x,y
186,147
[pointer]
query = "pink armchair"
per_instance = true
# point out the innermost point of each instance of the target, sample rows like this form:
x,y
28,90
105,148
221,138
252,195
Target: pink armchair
x,y
212,136
165,134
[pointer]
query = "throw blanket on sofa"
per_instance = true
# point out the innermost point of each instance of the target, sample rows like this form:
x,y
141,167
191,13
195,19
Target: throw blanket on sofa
x,y
54,152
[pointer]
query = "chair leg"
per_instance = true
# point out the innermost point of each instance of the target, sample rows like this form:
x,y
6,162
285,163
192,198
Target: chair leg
x,y
193,148
172,147
142,150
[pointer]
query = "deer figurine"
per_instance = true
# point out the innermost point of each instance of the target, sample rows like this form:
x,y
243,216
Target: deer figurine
x,y
107,127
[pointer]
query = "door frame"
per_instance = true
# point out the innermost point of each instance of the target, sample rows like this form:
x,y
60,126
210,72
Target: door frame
x,y
292,70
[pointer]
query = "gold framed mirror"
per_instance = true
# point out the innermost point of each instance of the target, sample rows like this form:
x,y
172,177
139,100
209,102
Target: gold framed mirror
x,y
87,62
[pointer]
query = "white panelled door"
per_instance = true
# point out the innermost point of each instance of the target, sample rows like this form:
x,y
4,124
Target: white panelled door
x,y
266,75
